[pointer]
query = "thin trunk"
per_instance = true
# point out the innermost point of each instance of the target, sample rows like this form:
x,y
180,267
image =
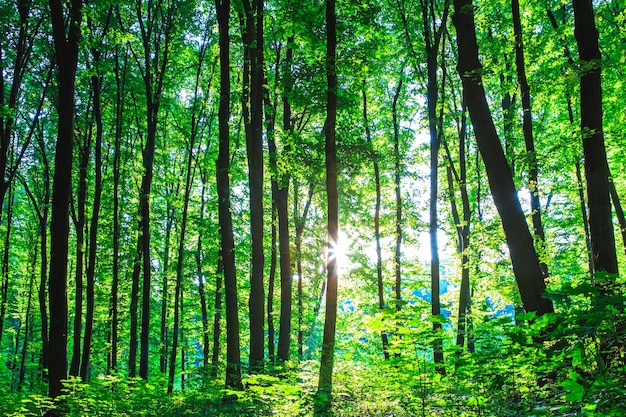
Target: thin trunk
x,y
156,33
300,223
379,258
619,211
66,48
201,279
79,224
527,127
96,82
433,36
325,384
4,286
233,355
217,317
271,350
120,74
31,285
398,189
189,177
524,259
169,225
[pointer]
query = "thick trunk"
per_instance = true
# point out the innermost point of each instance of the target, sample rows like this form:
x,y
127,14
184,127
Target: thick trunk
x,y
524,259
253,39
233,355
66,49
596,167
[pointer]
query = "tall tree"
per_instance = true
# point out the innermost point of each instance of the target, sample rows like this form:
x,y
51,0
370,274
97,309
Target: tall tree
x,y
432,38
66,35
325,383
524,259
596,166
155,24
377,204
233,355
527,127
253,42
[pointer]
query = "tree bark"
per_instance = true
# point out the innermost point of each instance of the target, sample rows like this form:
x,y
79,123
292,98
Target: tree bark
x,y
524,259
527,127
233,361
253,42
379,258
66,49
596,166
325,383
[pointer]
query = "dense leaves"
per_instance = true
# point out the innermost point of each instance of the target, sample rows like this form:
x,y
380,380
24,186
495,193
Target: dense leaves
x,y
156,249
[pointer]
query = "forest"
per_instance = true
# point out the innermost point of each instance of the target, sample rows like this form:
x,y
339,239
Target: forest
x,y
312,208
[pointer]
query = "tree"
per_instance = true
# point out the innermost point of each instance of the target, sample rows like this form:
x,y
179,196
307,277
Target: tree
x,y
66,48
325,384
596,167
253,62
233,361
527,126
524,259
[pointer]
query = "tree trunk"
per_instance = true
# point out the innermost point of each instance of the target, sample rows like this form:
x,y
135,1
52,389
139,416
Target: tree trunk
x,y
120,76
4,270
253,42
398,189
596,167
433,36
96,82
527,127
196,118
379,258
66,48
79,224
201,278
325,384
233,361
524,259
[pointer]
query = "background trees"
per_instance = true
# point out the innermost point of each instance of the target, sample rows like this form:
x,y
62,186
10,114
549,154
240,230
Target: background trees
x,y
187,116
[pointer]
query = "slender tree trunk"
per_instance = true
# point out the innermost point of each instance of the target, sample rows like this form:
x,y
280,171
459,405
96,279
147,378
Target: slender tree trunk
x,y
233,361
189,177
79,224
27,325
398,189
525,261
433,37
169,225
66,48
4,287
120,75
96,82
217,317
201,278
619,211
379,258
300,222
325,384
462,227
271,331
596,167
527,127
